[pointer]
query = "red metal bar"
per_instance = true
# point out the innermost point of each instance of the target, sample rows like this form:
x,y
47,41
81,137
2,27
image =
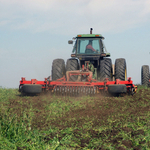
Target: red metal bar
x,y
62,81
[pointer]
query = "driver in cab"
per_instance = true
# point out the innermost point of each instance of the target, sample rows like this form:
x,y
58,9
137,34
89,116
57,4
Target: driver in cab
x,y
89,46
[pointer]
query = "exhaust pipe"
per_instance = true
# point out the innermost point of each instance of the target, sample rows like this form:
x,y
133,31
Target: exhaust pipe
x,y
91,30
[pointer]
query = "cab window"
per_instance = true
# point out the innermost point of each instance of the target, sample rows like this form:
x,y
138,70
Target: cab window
x,y
92,49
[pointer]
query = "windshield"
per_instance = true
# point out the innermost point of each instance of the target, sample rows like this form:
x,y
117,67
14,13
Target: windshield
x,y
88,46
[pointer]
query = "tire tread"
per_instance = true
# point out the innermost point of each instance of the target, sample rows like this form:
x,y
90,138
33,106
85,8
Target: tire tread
x,y
105,69
145,75
58,69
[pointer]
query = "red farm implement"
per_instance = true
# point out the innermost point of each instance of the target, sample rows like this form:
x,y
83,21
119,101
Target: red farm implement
x,y
88,86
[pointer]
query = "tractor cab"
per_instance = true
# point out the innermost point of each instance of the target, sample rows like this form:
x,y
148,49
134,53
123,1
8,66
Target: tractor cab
x,y
89,45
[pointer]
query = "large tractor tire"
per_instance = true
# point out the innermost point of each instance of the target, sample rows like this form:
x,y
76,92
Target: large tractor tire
x,y
145,75
72,65
105,70
58,69
120,69
31,89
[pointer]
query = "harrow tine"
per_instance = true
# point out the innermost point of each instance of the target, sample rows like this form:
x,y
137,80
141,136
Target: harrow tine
x,y
60,90
57,90
83,90
89,91
65,91
70,90
76,90
92,91
79,90
73,91
95,90
86,89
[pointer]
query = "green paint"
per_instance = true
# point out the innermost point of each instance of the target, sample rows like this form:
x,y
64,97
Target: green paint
x,y
90,35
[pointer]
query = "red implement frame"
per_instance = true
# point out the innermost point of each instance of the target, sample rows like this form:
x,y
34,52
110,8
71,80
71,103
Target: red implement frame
x,y
100,85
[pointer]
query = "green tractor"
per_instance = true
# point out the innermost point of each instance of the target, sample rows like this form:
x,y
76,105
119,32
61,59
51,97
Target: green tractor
x,y
89,52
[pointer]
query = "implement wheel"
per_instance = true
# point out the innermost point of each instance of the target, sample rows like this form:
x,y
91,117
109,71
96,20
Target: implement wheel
x,y
145,75
71,65
120,69
117,88
58,69
105,70
31,89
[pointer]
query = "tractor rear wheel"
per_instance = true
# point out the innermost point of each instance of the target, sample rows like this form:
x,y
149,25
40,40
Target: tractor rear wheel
x,y
105,70
72,65
145,75
58,69
120,69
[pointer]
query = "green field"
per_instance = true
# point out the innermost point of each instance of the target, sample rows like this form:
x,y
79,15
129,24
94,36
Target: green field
x,y
49,122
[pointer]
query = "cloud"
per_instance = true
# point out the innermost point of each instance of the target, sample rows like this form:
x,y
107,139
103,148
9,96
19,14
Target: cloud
x,y
4,22
71,16
22,25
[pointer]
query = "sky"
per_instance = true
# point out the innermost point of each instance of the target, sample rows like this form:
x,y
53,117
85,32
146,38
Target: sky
x,y
35,32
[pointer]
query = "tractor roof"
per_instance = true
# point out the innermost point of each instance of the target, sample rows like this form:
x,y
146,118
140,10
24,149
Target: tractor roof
x,y
90,35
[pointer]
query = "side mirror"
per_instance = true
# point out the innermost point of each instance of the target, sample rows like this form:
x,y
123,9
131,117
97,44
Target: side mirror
x,y
70,42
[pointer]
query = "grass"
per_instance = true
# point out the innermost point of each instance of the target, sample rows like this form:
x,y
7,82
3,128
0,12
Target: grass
x,y
49,122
